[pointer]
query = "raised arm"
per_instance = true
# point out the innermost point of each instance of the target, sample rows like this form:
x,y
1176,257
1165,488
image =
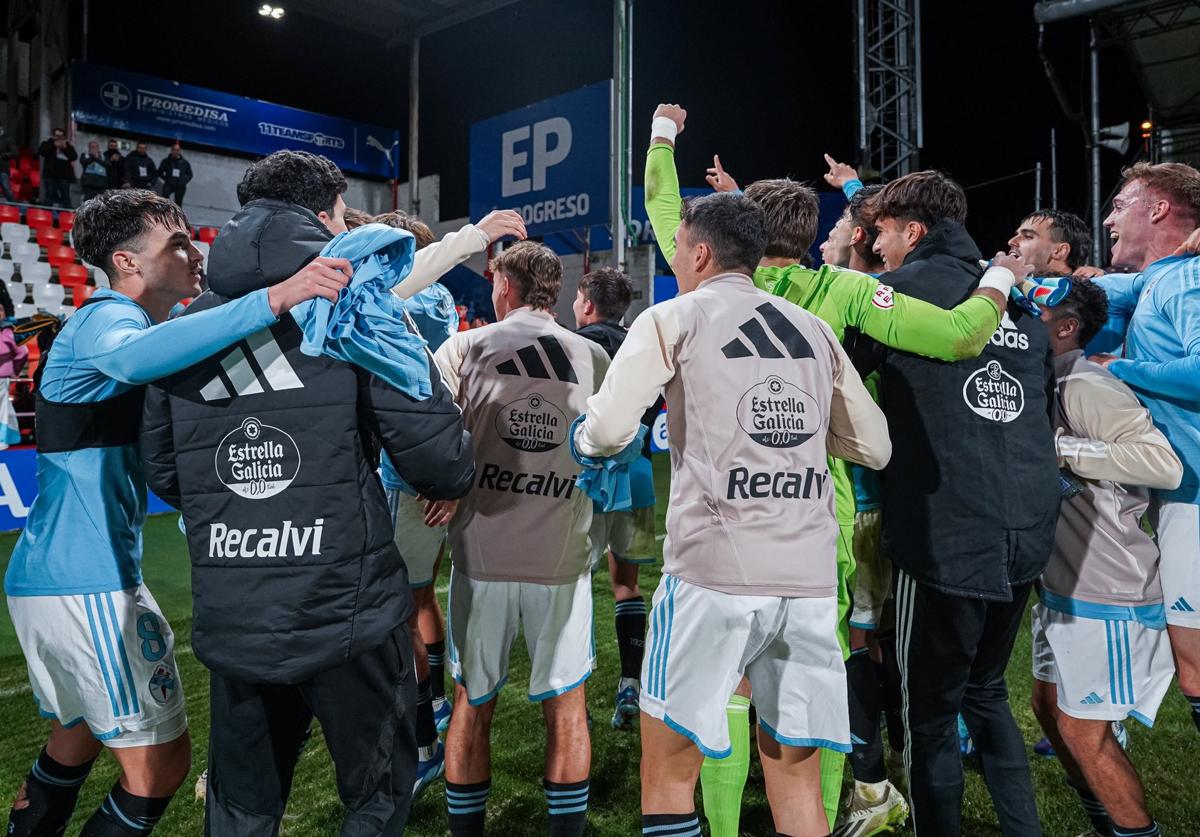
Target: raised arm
x,y
663,201
435,261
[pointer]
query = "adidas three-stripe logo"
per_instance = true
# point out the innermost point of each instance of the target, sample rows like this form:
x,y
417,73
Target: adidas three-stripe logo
x,y
1181,606
531,359
1092,699
263,369
788,335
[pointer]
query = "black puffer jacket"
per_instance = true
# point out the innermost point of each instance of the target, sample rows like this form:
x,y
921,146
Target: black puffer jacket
x,y
970,497
271,456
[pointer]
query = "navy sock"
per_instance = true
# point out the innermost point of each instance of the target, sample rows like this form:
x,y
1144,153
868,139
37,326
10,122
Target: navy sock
x,y
437,668
1194,702
567,803
866,758
1094,810
671,825
122,814
467,806
52,789
631,635
426,728
1150,830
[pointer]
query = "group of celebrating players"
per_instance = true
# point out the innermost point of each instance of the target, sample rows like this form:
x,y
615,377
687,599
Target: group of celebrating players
x,y
874,464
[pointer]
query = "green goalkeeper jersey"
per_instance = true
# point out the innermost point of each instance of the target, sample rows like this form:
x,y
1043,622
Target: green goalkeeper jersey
x,y
842,298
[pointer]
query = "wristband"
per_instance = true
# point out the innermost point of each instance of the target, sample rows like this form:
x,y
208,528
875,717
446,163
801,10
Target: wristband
x,y
663,128
850,187
998,279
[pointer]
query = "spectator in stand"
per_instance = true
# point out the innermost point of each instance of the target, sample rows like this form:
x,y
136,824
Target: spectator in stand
x,y
175,173
115,161
8,150
140,170
58,169
94,176
12,361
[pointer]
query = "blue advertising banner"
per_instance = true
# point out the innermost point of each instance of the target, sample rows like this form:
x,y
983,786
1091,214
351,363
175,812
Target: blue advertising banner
x,y
18,488
549,161
138,104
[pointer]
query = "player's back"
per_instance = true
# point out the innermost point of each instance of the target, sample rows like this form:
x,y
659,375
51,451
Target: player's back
x,y
752,503
523,381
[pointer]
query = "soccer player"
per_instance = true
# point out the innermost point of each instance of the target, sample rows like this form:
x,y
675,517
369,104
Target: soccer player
x,y
876,803
433,314
1055,242
1100,647
625,538
843,299
300,597
967,533
758,391
99,651
1155,211
519,540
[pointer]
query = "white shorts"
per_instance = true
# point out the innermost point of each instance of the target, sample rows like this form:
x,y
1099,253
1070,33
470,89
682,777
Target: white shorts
x,y
419,545
482,622
629,534
1178,529
700,644
1105,669
872,573
104,659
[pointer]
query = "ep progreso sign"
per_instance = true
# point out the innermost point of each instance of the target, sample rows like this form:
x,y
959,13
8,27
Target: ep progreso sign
x,y
549,161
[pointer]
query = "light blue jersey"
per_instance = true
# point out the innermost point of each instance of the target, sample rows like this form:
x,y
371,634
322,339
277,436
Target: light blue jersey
x,y
1161,360
436,318
84,531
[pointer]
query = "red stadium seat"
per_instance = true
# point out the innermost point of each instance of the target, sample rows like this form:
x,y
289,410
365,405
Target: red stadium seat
x,y
39,217
9,214
79,293
25,163
35,178
72,275
60,254
49,236
66,221
207,234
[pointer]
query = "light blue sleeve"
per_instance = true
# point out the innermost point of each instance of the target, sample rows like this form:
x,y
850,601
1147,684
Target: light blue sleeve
x,y
118,343
1178,378
851,187
1122,290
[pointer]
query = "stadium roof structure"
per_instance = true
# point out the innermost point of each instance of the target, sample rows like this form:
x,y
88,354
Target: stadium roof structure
x,y
398,21
1159,36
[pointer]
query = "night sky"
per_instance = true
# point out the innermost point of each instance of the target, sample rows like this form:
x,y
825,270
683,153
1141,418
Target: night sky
x,y
768,85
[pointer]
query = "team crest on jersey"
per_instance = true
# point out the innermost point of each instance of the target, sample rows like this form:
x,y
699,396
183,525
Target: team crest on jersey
x,y
257,461
884,297
532,424
777,414
994,394
162,683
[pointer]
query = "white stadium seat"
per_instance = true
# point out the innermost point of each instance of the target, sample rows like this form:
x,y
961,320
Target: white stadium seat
x,y
14,233
48,297
24,251
6,269
24,309
35,273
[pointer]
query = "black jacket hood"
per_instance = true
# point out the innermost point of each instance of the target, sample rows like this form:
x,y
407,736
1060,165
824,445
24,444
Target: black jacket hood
x,y
265,243
946,238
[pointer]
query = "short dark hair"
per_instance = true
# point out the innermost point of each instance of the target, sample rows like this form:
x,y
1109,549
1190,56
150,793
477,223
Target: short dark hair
x,y
609,289
117,219
534,269
1069,228
403,221
309,180
1088,304
924,196
732,225
856,210
790,212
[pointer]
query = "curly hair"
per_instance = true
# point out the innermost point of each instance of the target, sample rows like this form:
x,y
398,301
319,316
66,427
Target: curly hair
x,y
534,269
1087,303
298,177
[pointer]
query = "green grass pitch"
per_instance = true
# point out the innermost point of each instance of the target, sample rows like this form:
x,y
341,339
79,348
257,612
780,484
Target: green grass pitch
x,y
1164,755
